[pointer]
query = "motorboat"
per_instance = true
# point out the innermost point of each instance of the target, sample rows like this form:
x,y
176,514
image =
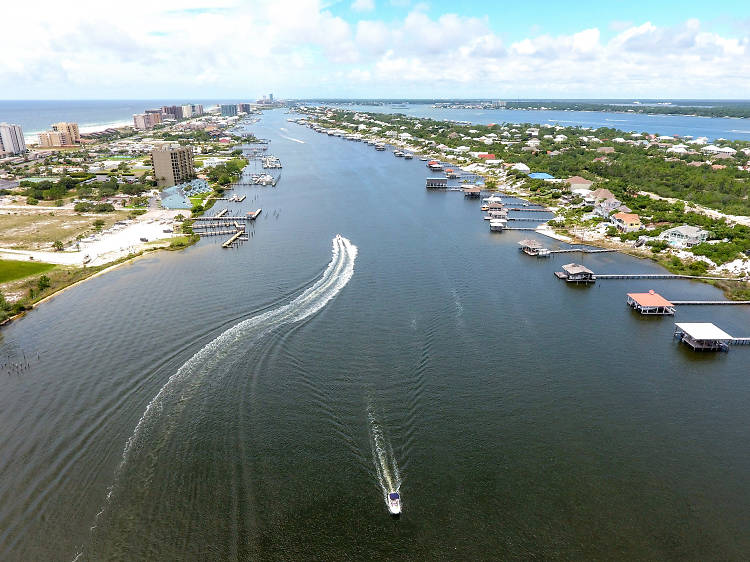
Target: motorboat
x,y
394,503
398,153
408,155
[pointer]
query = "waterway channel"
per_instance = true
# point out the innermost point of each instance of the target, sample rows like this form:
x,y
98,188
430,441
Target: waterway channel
x,y
256,403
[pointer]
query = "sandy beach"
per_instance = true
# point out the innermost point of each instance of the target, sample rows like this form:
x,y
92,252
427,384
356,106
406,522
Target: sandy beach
x,y
108,245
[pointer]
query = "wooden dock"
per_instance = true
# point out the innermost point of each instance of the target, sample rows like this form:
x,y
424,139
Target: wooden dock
x,y
530,219
529,209
661,276
221,213
740,341
710,302
226,218
233,239
217,232
582,250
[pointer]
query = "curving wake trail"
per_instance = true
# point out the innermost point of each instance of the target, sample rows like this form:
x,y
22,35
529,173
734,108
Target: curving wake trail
x,y
164,414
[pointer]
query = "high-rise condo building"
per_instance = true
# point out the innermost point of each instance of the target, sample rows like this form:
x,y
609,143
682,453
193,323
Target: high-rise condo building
x,y
172,165
11,140
192,110
228,110
145,121
173,110
62,134
244,107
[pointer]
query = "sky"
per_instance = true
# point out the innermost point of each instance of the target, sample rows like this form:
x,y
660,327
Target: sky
x,y
146,49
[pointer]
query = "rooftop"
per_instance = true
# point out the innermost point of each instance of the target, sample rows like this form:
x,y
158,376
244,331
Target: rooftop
x,y
530,244
649,299
703,331
574,268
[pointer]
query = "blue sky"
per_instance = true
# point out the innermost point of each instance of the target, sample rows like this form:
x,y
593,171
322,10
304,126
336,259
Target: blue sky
x,y
518,19
376,48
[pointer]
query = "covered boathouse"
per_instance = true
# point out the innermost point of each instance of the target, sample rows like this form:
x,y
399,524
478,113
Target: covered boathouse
x,y
650,303
576,273
530,247
472,192
703,336
436,183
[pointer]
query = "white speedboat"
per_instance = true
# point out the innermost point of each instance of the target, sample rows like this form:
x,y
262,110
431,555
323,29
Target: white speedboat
x,y
394,503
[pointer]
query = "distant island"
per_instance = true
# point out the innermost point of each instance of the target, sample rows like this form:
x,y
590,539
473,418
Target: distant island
x,y
704,108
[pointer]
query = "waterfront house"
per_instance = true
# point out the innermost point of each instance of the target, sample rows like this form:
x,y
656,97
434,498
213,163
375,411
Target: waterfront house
x,y
606,149
626,222
684,236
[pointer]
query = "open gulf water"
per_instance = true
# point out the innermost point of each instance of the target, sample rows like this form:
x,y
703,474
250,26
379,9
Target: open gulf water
x,y
258,403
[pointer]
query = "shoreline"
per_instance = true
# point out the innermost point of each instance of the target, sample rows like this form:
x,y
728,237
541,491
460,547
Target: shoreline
x,y
106,267
32,137
729,292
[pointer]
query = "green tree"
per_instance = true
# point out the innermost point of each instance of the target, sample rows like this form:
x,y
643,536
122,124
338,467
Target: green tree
x,y
98,224
43,283
58,246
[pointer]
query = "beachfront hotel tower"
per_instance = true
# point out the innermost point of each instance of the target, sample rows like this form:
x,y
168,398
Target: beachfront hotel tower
x,y
145,121
62,134
173,165
11,140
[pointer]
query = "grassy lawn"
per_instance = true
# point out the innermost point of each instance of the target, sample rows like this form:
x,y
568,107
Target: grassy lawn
x,y
12,269
37,231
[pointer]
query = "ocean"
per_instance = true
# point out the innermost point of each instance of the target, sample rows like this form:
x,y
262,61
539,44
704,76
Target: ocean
x,y
35,116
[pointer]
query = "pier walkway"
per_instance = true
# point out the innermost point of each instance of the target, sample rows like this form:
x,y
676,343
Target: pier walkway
x,y
709,302
661,276
582,250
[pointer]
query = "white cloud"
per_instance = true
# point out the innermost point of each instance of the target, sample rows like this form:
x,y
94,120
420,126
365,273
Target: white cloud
x,y
363,5
179,48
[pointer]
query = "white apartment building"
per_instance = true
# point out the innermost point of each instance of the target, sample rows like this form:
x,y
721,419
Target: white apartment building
x,y
11,140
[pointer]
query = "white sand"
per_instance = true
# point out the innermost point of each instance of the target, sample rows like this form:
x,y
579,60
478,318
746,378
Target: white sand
x,y
110,244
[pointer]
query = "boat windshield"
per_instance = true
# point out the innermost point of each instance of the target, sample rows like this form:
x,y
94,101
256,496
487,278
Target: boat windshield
x,y
393,496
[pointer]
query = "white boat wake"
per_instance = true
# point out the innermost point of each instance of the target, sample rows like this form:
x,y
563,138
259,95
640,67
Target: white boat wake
x,y
389,478
284,129
163,412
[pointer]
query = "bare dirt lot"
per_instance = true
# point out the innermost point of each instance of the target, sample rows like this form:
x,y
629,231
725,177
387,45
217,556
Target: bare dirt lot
x,y
28,230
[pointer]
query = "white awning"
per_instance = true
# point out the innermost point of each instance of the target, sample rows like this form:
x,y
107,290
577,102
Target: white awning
x,y
703,331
